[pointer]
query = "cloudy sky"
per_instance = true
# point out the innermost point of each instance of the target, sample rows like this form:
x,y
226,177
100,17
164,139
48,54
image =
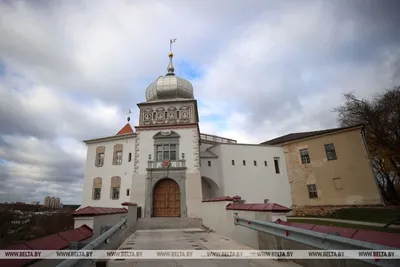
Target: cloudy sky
x,y
70,70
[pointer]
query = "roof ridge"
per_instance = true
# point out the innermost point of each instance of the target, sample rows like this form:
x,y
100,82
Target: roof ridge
x,y
63,237
307,134
126,129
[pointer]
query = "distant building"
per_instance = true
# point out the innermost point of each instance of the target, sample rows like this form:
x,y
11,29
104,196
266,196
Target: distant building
x,y
57,203
52,202
35,202
46,202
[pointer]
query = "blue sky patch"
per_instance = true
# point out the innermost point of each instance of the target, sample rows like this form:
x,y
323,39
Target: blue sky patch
x,y
188,70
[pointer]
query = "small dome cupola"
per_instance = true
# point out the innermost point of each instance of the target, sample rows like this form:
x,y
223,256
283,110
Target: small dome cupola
x,y
170,86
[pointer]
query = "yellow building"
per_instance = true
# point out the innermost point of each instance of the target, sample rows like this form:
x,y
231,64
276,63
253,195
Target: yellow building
x,y
329,168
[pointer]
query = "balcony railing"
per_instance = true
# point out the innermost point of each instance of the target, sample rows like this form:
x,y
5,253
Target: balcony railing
x,y
159,164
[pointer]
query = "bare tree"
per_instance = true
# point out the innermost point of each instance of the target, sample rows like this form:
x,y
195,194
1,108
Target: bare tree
x,y
381,118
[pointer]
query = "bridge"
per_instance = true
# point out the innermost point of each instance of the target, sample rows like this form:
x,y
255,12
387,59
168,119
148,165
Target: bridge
x,y
190,236
241,231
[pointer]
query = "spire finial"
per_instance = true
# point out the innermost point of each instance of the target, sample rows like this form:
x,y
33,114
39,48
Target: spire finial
x,y
171,55
128,118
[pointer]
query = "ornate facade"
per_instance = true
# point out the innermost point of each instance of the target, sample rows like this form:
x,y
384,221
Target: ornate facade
x,y
167,167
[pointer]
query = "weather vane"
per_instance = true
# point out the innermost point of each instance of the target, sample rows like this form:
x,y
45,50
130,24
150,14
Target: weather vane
x,y
128,115
170,44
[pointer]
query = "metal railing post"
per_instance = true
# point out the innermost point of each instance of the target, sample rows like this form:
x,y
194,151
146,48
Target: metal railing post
x,y
95,243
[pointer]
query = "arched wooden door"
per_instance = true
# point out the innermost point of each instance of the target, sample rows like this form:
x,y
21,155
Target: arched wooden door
x,y
166,199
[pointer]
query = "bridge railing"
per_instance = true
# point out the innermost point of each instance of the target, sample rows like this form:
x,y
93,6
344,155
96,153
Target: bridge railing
x,y
104,238
315,239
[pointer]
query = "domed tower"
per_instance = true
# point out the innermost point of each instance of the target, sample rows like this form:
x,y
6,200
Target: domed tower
x,y
166,179
169,101
169,86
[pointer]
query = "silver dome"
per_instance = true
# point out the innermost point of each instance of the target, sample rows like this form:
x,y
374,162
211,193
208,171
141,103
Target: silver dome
x,y
169,86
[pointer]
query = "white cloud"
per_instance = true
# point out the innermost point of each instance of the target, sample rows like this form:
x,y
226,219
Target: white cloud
x,y
73,68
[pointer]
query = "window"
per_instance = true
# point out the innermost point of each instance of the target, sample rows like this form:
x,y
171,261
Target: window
x,y
209,163
130,157
127,192
305,157
100,159
337,183
233,162
312,191
255,163
97,193
330,152
276,163
118,158
115,193
265,163
167,151
244,163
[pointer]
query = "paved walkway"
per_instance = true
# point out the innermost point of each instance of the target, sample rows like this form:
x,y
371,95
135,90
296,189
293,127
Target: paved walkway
x,y
187,239
344,221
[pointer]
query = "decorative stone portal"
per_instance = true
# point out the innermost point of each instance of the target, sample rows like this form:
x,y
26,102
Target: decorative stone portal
x,y
165,194
166,199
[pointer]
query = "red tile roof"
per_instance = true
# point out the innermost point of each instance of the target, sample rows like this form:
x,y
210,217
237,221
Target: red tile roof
x,y
72,235
86,230
96,211
258,207
377,237
216,199
345,232
383,238
52,242
126,129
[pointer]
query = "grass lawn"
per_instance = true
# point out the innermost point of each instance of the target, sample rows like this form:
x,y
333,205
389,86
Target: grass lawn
x,y
347,225
378,215
367,214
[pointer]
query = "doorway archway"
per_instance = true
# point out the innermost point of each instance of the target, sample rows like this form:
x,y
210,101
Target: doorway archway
x,y
166,199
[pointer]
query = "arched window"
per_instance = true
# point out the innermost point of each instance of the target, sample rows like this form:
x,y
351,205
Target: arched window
x,y
96,191
99,160
117,154
115,187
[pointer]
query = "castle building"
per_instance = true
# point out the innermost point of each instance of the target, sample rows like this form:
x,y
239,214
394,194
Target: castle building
x,y
168,167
